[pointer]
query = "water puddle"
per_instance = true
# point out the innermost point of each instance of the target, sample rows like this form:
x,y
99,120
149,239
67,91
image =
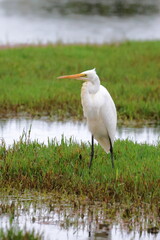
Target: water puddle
x,y
71,21
61,220
42,130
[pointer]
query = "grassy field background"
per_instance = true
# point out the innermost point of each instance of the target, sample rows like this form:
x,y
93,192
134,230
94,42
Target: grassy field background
x,y
130,71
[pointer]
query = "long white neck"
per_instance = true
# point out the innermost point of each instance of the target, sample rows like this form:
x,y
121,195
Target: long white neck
x,y
93,85
89,88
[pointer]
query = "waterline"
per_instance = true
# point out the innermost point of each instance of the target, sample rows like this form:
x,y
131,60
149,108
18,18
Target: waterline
x,y
43,130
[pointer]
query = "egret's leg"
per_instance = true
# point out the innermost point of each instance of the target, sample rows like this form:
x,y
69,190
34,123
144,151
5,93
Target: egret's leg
x,y
92,151
111,151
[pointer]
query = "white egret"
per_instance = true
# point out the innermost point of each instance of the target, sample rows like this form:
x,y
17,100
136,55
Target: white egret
x,y
99,110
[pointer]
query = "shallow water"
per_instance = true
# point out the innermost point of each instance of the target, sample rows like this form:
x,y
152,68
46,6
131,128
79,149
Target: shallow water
x,y
61,220
71,21
42,130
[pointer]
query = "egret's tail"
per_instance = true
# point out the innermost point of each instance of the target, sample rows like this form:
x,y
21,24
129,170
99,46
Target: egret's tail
x,y
105,144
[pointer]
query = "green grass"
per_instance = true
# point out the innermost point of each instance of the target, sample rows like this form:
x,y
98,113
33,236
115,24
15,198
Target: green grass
x,y
64,168
13,233
130,71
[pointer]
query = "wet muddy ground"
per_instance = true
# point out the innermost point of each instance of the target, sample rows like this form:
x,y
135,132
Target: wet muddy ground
x,y
60,219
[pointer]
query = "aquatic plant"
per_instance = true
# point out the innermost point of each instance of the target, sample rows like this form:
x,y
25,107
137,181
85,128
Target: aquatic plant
x,y
15,233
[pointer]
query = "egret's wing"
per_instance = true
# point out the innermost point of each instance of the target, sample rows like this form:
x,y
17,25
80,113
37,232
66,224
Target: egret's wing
x,y
108,114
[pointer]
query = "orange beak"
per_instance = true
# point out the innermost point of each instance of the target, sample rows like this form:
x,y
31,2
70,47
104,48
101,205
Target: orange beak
x,y
79,75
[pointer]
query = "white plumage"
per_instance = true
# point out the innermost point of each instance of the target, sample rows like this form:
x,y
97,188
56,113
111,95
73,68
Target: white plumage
x,y
99,110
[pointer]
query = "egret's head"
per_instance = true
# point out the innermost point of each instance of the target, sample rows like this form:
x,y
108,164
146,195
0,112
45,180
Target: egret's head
x,y
88,75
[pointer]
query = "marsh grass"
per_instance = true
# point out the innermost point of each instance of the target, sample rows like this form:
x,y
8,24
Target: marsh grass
x,y
14,234
64,168
13,231
130,71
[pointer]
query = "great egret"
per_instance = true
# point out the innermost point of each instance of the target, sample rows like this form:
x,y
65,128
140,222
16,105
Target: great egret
x,y
99,110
